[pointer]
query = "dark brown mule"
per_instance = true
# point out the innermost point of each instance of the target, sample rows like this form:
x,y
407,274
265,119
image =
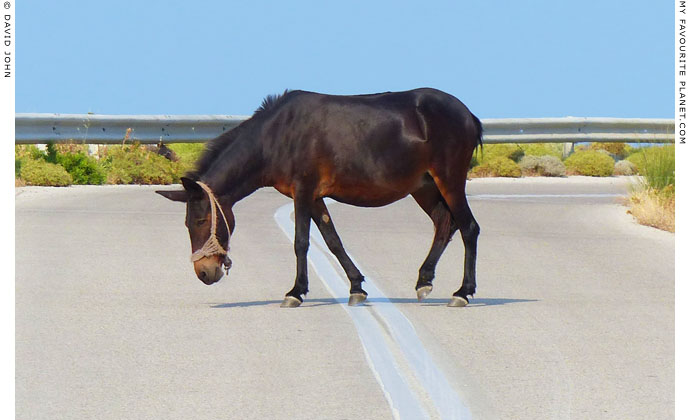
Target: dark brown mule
x,y
367,150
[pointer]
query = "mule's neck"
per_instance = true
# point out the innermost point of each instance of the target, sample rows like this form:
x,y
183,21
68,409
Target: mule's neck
x,y
237,171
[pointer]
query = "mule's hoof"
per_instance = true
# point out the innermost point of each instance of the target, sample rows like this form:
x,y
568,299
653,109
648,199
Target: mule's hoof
x,y
290,302
457,302
356,299
423,292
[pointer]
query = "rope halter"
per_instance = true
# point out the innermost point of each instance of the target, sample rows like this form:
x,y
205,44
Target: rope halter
x,y
212,246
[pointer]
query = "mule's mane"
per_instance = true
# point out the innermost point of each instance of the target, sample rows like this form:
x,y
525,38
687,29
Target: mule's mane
x,y
269,102
214,148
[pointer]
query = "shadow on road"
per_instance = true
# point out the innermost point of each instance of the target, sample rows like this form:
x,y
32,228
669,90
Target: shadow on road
x,y
427,302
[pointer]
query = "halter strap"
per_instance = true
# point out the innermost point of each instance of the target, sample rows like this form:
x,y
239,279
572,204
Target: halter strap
x,y
211,246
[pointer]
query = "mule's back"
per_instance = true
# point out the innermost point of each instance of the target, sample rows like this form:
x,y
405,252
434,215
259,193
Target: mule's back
x,y
365,148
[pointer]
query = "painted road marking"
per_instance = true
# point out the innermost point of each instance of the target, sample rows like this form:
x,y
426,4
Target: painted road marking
x,y
386,368
511,196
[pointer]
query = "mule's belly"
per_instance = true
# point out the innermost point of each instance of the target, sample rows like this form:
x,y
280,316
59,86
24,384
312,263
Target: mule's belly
x,y
368,200
361,195
372,192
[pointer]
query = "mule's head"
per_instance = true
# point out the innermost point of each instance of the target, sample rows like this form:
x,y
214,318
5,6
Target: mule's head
x,y
209,246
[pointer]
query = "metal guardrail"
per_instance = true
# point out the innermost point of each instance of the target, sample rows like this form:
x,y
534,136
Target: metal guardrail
x,y
112,129
578,129
150,129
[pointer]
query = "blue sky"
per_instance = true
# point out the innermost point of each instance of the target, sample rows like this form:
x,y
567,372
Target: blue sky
x,y
595,58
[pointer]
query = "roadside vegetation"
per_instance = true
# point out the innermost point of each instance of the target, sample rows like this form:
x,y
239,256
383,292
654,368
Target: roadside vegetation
x,y
653,203
542,165
41,172
187,153
68,164
131,163
518,160
590,163
499,166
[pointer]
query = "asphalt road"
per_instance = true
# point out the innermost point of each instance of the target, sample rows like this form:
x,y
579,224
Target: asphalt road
x,y
573,316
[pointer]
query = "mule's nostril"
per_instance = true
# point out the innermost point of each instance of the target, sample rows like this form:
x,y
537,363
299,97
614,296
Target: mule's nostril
x,y
202,275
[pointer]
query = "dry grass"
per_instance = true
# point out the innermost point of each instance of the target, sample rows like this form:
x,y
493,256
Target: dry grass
x,y
652,208
18,182
72,147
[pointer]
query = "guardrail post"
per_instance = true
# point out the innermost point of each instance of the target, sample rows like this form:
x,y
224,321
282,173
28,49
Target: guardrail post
x,y
568,149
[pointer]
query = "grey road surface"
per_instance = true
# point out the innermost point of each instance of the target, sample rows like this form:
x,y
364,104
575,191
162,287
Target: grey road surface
x,y
573,316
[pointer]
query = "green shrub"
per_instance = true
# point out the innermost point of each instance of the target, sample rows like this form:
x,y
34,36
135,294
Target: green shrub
x,y
529,165
543,149
28,151
628,150
615,149
498,166
17,167
493,151
624,167
545,165
590,163
657,164
637,158
188,153
588,148
51,153
84,169
618,151
72,157
133,164
40,172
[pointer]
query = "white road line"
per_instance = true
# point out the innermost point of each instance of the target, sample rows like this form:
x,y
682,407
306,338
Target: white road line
x,y
88,211
511,196
398,392
403,402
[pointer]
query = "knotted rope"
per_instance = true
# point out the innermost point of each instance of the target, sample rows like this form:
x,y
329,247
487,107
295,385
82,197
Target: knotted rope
x,y
212,246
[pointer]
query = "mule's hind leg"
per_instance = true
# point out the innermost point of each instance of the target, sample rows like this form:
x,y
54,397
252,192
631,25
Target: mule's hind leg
x,y
323,220
430,200
453,192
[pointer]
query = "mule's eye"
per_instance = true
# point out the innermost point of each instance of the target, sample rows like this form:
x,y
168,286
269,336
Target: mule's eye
x,y
200,222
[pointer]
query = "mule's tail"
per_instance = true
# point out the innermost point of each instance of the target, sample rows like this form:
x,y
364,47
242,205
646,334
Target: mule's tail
x,y
451,113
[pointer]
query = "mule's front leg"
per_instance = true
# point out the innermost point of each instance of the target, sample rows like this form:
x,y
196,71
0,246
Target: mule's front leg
x,y
293,298
324,222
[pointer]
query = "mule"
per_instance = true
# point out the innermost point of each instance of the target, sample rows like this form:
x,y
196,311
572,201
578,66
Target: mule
x,y
363,150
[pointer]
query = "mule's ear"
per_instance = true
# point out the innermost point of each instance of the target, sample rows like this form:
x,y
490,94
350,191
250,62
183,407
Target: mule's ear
x,y
193,189
176,195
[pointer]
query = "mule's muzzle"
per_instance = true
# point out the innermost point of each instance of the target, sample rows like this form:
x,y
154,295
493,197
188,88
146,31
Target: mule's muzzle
x,y
210,269
209,277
